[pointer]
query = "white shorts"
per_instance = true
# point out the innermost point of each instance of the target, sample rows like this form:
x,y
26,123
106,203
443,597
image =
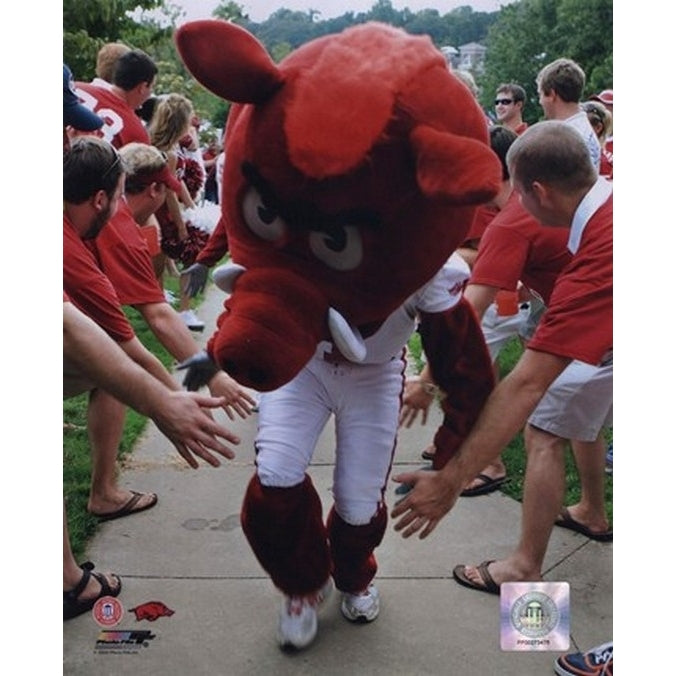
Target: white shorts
x,y
498,329
537,309
365,401
579,404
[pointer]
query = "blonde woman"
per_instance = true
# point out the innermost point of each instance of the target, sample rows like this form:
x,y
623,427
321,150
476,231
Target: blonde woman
x,y
180,241
601,120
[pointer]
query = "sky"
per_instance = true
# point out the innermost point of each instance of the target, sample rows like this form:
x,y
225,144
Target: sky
x,y
259,10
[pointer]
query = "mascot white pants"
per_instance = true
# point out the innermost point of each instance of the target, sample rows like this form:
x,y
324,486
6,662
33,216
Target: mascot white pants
x,y
282,514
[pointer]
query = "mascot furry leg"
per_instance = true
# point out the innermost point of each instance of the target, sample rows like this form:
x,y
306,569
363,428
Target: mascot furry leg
x,y
286,532
285,529
352,550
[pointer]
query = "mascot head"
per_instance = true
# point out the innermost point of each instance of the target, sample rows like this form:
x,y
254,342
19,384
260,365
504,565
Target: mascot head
x,y
352,172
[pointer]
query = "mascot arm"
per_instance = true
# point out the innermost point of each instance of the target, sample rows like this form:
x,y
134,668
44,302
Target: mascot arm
x,y
216,246
461,366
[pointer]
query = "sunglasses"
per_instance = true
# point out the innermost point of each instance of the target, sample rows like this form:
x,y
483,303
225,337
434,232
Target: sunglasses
x,y
116,161
503,102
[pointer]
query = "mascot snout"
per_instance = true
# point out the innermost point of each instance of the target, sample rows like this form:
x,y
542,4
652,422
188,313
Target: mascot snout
x,y
263,349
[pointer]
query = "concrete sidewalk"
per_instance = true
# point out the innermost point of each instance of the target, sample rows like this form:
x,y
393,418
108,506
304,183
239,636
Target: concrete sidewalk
x,y
190,554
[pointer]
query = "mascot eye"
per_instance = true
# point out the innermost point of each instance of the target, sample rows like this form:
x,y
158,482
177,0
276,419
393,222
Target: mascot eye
x,y
340,247
262,220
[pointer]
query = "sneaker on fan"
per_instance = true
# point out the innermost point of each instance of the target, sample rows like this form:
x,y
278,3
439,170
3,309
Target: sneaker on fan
x,y
362,607
298,618
595,662
191,320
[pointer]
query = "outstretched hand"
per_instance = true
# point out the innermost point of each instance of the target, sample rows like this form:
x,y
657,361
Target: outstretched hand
x,y
415,400
192,430
197,275
200,369
430,498
236,398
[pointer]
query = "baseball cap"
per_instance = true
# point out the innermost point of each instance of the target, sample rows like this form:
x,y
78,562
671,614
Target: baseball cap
x,y
74,113
606,97
169,179
164,175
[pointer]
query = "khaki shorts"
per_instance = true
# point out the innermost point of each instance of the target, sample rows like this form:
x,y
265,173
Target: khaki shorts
x,y
579,404
498,329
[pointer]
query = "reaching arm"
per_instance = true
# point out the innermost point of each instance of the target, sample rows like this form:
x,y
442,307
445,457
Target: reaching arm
x,y
480,296
419,393
178,414
505,413
172,332
461,366
135,349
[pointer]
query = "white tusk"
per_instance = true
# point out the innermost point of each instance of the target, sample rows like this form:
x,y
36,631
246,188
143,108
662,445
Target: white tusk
x,y
347,339
224,276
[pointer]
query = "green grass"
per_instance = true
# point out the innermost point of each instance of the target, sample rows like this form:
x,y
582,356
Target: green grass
x,y
514,456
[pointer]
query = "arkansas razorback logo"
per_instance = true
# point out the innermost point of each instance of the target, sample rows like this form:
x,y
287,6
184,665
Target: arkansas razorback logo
x,y
151,611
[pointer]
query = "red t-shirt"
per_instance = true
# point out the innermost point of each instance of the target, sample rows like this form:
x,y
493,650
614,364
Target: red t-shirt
x,y
578,322
122,253
89,289
121,125
482,218
515,247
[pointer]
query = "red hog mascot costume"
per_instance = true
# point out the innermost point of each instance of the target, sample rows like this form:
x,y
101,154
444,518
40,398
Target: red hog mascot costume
x,y
353,169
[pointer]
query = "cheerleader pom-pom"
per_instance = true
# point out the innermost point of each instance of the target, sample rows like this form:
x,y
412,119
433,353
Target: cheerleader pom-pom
x,y
204,217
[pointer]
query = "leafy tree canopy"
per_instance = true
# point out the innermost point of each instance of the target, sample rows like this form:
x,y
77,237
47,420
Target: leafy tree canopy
x,y
520,38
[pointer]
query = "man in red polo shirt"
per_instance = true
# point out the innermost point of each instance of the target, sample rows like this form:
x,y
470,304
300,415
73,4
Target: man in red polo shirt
x,y
552,171
93,179
124,257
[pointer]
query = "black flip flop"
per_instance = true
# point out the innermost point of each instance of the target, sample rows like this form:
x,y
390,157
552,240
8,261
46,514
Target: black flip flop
x,y
488,486
565,520
129,507
490,586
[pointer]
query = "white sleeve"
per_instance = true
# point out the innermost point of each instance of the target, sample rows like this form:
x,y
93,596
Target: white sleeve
x,y
445,289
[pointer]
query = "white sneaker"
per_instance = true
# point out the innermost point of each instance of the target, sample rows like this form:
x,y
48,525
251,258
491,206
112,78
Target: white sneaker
x,y
192,321
362,607
298,618
170,297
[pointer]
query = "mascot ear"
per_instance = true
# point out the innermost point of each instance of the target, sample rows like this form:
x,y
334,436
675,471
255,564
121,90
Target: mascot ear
x,y
228,60
459,169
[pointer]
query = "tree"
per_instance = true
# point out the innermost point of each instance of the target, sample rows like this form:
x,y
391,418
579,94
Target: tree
x,y
586,29
428,22
465,25
383,11
230,11
88,24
